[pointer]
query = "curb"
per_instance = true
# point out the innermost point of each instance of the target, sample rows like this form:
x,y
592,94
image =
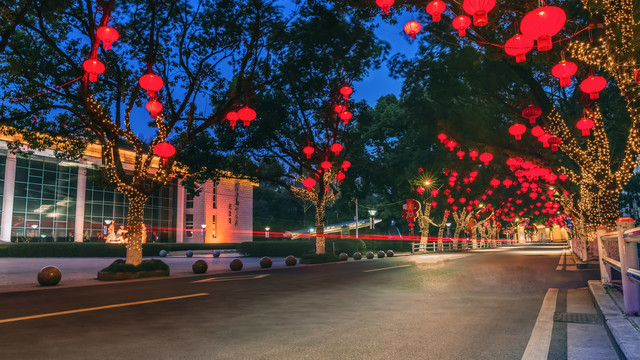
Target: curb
x,y
584,264
625,337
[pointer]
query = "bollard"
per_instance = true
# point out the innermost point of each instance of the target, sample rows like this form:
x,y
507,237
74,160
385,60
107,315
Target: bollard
x,y
628,259
605,270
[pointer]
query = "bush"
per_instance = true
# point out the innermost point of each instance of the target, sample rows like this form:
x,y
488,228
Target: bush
x,y
96,249
398,246
318,258
348,246
276,248
120,265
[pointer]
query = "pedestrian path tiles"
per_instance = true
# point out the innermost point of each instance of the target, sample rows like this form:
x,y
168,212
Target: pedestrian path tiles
x,y
566,262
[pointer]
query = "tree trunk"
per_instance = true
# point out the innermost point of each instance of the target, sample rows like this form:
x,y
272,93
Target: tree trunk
x,y
134,228
320,242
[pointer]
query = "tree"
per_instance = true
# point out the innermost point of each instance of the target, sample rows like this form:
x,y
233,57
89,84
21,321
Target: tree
x,y
209,51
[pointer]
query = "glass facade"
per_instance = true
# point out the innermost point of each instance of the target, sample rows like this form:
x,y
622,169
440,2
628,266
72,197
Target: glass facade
x,y
44,205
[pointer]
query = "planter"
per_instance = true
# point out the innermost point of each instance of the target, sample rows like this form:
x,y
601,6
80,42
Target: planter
x,y
117,276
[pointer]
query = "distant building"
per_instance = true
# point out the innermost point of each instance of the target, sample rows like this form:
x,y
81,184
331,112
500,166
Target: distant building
x,y
45,199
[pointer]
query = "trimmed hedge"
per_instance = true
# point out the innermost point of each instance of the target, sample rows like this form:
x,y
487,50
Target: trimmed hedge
x,y
276,248
318,259
121,265
97,249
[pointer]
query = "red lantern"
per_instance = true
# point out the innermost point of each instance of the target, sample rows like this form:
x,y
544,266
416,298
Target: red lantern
x,y
507,183
339,108
551,178
462,200
585,125
326,165
473,154
544,139
460,154
420,190
531,112
593,85
542,23
486,158
454,208
518,46
451,200
385,5
232,116
442,138
451,144
412,28
479,10
494,183
308,150
309,183
341,176
246,114
564,70
636,76
461,23
434,192
336,148
346,91
517,130
537,131
435,9
164,150
345,165
107,35
554,141
151,83
563,177
346,116
533,195
94,68
154,107
433,204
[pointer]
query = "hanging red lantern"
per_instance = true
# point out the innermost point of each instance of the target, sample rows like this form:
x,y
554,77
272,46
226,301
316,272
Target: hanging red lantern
x,y
346,116
507,183
593,85
420,190
336,148
246,114
345,165
434,192
462,200
533,195
447,192
451,145
435,9
551,178
341,176
564,70
346,91
531,112
309,183
461,23
486,158
554,141
308,150
460,154
563,177
164,150
107,35
473,154
543,23
232,116
154,107
537,131
433,204
442,138
544,139
451,200
585,125
494,183
518,46
326,165
151,82
636,76
517,130
94,68
454,208
479,10
412,28
385,5
339,108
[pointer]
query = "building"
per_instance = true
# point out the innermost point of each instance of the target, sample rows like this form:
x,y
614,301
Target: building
x,y
48,200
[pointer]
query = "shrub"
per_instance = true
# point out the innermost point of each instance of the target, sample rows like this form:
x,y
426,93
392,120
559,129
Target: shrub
x,y
276,248
96,249
121,265
348,246
395,245
318,258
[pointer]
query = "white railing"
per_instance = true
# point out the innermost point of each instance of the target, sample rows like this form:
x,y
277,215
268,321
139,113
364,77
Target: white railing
x,y
448,245
626,238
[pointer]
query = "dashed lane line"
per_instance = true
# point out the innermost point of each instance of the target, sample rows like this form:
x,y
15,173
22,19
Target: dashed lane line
x,y
540,340
388,268
232,278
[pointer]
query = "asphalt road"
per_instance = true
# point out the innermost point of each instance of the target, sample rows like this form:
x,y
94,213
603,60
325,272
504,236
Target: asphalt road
x,y
475,305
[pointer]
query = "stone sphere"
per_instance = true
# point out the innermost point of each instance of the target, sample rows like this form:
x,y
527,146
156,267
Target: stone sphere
x,y
265,262
236,265
189,253
343,257
291,260
163,253
216,253
390,253
381,254
49,276
357,256
369,255
199,267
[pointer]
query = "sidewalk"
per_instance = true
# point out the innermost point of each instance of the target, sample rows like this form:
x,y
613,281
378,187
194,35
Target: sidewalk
x,y
20,274
625,330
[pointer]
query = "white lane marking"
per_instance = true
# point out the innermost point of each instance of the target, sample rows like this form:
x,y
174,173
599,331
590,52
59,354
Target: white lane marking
x,y
563,260
540,340
2,321
388,268
231,278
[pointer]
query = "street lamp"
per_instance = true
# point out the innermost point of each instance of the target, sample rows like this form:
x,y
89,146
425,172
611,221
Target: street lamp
x,y
448,228
427,182
266,232
108,221
203,226
372,223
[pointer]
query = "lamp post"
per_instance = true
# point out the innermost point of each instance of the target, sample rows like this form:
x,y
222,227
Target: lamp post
x,y
266,232
203,226
372,223
448,228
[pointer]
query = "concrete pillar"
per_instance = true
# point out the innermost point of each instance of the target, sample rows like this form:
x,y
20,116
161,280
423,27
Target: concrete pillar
x,y
7,198
628,259
605,270
81,193
180,214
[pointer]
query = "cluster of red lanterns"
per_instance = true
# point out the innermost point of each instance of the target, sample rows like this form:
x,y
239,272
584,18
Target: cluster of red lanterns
x,y
452,144
244,114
